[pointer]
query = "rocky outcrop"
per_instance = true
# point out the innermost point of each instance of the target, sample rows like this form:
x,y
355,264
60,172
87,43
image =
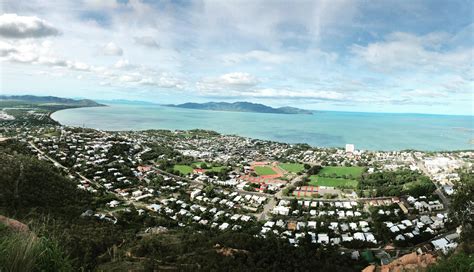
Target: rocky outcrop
x,y
408,262
14,224
370,268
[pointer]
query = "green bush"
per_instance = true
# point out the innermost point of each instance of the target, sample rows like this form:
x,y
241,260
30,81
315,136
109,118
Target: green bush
x,y
26,252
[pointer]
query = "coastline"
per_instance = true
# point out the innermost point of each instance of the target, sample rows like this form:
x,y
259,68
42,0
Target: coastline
x,y
146,122
68,108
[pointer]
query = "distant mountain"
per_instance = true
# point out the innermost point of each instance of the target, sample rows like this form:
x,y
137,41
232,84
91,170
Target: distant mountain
x,y
241,107
51,100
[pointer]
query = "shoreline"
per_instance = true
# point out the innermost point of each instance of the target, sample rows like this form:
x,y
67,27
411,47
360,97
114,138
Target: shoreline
x,y
253,138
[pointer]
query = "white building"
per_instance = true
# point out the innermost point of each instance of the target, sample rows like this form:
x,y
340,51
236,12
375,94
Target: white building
x,y
350,148
281,210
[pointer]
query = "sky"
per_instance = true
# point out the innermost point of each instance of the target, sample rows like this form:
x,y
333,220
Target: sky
x,y
343,55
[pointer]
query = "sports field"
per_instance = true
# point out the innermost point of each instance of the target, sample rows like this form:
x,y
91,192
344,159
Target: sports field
x,y
264,170
292,167
340,171
183,169
332,182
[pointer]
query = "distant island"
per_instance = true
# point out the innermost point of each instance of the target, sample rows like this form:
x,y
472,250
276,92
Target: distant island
x,y
241,107
50,100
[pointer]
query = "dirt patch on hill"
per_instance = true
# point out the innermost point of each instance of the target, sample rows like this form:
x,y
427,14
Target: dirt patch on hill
x,y
408,262
14,224
227,251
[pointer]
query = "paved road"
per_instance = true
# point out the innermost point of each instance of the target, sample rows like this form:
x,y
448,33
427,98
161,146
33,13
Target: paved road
x,y
267,208
203,184
439,190
137,204
272,202
57,164
339,199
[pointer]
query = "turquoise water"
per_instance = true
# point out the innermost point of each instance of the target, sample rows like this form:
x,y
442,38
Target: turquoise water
x,y
372,131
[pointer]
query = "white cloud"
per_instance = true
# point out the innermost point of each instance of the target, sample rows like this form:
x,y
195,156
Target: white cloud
x,y
77,65
255,55
101,4
150,78
6,49
23,51
407,51
52,61
271,23
31,52
163,81
123,64
111,49
292,94
18,27
236,80
285,93
424,93
146,41
289,51
457,83
129,78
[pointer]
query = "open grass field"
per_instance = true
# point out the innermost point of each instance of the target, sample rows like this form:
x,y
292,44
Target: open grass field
x,y
264,170
292,167
215,168
332,182
340,171
197,164
183,169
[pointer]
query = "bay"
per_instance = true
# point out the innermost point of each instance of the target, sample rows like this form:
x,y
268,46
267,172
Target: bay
x,y
371,131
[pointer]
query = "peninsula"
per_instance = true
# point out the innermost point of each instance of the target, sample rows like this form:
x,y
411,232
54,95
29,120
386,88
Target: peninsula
x,y
31,110
48,101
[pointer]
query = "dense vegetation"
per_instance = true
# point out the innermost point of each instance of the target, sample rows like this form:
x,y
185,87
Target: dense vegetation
x,y
397,183
24,251
461,210
36,193
31,184
237,251
460,262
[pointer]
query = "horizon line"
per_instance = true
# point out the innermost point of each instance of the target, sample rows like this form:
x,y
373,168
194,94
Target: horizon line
x,y
315,110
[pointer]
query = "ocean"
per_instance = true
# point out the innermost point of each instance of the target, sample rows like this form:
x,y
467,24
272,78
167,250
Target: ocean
x,y
368,131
